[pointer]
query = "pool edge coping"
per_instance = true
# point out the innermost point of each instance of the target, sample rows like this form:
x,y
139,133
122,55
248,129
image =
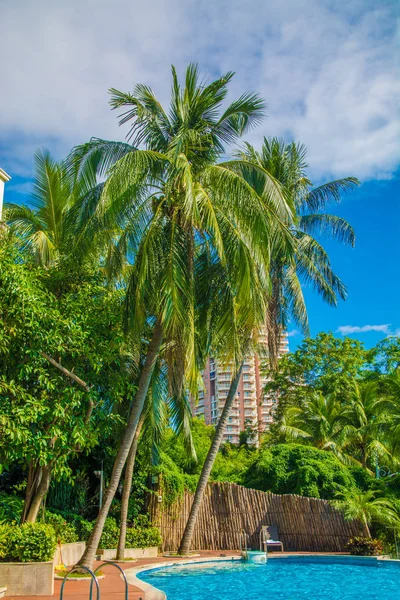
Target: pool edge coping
x,y
153,593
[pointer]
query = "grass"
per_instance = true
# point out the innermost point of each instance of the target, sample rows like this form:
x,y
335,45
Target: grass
x,y
76,574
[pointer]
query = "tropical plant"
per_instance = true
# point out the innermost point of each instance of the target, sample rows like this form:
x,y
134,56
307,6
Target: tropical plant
x,y
364,546
367,424
319,422
47,227
310,264
160,410
48,410
366,508
160,204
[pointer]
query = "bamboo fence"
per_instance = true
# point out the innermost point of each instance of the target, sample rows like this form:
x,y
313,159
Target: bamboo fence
x,y
304,524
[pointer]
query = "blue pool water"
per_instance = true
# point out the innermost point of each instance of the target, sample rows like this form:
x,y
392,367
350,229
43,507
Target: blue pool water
x,y
279,579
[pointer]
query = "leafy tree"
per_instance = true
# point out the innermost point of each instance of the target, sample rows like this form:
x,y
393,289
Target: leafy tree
x,y
325,363
297,469
386,355
48,410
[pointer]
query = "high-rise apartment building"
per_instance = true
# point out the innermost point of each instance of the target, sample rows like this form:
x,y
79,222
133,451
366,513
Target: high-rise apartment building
x,y
251,408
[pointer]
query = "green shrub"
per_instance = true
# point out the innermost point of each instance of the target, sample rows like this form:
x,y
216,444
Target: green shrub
x,y
110,535
31,542
4,540
10,507
296,469
365,546
82,527
145,537
65,531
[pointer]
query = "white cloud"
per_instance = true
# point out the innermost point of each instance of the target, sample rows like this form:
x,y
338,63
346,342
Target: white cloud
x,y
293,333
327,71
348,329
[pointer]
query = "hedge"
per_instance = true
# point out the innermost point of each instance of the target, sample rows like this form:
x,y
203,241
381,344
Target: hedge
x,y
31,542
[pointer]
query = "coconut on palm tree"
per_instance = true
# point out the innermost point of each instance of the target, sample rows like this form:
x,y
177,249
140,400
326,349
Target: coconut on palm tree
x,y
159,204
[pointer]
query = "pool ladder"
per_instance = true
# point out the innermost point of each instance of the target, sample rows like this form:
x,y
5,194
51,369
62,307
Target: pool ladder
x,y
263,541
94,579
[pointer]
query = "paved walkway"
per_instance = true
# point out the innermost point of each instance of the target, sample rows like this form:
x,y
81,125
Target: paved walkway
x,y
112,586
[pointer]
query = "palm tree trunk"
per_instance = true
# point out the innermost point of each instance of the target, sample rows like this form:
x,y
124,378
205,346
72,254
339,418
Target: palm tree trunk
x,y
186,541
126,492
126,443
367,528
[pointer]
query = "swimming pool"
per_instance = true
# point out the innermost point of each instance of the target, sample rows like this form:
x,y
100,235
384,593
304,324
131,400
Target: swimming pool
x,y
296,578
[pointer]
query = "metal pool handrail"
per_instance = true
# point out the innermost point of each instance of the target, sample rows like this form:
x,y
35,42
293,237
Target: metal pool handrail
x,y
93,578
263,540
243,547
110,562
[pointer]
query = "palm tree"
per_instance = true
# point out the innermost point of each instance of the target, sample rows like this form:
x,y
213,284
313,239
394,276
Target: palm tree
x,y
367,424
366,508
46,227
281,164
286,162
318,422
159,205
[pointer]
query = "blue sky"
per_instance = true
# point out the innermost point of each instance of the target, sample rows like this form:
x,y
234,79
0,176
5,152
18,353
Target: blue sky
x,y
328,71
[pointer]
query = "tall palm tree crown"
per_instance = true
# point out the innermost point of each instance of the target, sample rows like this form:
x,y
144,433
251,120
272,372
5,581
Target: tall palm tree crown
x,y
42,227
166,205
310,263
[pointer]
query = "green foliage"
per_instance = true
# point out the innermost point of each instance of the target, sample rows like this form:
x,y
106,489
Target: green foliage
x,y
79,526
172,480
4,540
325,363
10,508
142,537
365,546
295,469
232,463
174,446
110,535
46,416
367,507
386,355
65,531
31,542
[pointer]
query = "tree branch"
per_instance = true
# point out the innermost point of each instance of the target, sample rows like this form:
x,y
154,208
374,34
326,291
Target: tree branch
x,y
65,371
